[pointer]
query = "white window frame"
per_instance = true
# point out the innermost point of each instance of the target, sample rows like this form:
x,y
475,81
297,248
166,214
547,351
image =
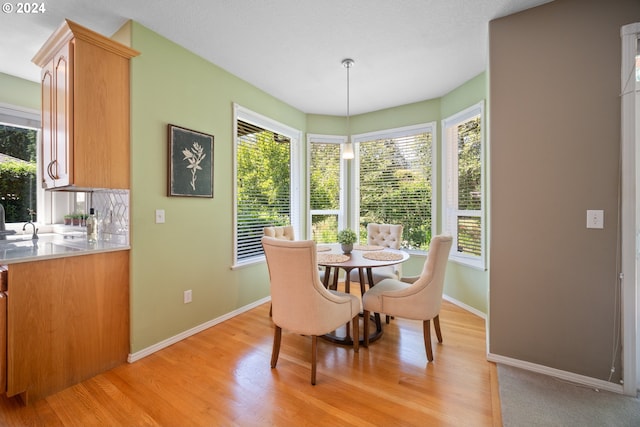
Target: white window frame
x,y
449,184
295,136
398,132
30,119
341,211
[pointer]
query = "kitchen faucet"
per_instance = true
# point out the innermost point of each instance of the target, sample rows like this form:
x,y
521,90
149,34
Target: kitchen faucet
x,y
34,236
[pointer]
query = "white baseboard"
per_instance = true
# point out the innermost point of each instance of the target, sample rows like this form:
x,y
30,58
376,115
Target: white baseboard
x,y
186,334
556,373
465,306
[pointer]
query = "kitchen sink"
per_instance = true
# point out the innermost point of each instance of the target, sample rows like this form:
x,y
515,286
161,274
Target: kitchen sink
x,y
18,247
12,249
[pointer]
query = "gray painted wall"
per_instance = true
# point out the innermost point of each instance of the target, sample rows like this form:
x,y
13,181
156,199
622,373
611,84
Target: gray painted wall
x,y
554,78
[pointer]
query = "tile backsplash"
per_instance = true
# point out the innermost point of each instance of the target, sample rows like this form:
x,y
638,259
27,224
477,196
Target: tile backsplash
x,y
112,210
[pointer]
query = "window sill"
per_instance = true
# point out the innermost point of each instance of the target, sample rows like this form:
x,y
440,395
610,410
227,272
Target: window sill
x,y
475,263
248,263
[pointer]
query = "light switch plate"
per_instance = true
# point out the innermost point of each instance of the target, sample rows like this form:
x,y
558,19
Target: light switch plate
x,y
159,216
595,219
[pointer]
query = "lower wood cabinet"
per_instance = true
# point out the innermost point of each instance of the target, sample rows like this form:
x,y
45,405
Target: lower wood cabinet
x,y
67,321
3,341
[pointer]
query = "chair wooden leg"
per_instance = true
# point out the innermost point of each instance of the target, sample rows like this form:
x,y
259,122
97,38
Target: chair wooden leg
x,y
277,336
365,332
436,326
426,329
314,357
356,332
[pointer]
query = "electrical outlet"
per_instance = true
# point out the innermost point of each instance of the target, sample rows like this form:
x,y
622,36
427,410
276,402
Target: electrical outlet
x,y
595,219
187,296
159,216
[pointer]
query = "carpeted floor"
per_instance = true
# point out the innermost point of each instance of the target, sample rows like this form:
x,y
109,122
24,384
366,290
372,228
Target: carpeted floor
x,y
529,399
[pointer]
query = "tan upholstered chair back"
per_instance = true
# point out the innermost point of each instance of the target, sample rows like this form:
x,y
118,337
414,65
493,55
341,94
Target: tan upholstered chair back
x,y
300,303
387,235
280,232
422,300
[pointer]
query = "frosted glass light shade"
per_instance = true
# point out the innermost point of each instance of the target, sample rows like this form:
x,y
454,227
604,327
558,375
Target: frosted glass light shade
x,y
347,151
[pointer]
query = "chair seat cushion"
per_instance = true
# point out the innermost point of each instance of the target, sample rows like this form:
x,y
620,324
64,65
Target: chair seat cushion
x,y
373,299
355,301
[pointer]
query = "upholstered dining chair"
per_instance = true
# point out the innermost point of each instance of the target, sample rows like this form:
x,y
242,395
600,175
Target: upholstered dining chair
x,y
300,303
284,232
387,236
413,298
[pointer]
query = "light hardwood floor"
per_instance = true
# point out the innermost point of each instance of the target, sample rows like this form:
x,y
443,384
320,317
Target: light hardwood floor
x,y
222,377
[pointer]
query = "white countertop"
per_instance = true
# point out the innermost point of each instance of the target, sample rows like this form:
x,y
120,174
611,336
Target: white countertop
x,y
51,246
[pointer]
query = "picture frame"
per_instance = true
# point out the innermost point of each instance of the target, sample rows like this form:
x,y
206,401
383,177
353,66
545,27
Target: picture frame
x,y
190,169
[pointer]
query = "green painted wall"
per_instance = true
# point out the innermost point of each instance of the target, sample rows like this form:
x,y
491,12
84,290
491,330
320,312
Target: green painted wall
x,y
193,249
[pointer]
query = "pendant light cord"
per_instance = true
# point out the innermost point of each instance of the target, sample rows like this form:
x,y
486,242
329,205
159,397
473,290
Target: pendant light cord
x,y
348,64
348,150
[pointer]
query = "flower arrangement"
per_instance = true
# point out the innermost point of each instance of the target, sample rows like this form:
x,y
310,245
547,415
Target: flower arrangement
x,y
347,237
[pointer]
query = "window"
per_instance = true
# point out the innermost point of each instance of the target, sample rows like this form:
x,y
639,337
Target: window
x,y
19,138
463,185
325,187
394,182
266,181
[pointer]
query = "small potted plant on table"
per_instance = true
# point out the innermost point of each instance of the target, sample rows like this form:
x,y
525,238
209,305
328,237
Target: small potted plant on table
x,y
347,238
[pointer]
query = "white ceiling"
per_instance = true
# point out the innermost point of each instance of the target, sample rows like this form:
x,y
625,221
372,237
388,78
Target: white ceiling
x,y
404,50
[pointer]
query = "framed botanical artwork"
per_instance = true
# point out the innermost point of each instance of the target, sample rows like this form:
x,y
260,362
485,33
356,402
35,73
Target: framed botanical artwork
x,y
190,163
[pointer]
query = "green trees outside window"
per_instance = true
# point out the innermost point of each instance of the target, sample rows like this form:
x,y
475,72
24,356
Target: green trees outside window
x,y
263,185
18,172
395,186
469,186
324,194
463,190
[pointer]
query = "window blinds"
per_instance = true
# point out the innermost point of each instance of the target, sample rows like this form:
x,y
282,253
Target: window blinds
x,y
395,185
469,187
263,160
463,175
324,194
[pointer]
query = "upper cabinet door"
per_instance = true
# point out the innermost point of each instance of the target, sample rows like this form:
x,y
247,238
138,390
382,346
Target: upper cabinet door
x,y
48,151
62,162
57,126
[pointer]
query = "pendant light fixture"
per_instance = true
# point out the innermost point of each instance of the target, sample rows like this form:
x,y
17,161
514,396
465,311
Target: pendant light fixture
x,y
347,151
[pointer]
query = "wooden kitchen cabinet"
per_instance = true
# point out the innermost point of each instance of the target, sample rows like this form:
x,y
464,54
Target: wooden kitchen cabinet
x,y
85,110
67,321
